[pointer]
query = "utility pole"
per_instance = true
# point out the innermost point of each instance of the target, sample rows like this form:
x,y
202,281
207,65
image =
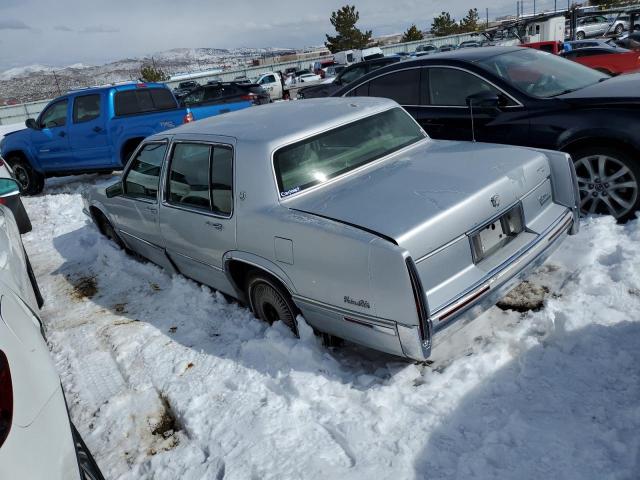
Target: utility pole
x,y
487,18
555,5
534,7
57,83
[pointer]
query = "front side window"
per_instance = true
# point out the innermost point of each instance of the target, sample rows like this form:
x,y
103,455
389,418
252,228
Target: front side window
x,y
86,108
450,87
143,177
189,175
327,155
350,75
403,87
55,115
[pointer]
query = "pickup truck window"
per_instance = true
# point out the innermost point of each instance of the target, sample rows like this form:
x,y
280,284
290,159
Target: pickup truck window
x,y
142,100
317,159
86,108
55,115
143,178
189,175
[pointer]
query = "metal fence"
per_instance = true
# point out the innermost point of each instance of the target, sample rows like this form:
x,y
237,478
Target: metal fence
x,y
14,114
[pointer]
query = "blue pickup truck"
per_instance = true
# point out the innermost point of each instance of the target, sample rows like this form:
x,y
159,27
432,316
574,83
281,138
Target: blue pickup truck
x,y
96,130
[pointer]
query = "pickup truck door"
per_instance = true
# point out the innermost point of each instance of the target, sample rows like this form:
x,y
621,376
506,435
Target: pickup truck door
x,y
88,136
50,140
136,210
271,84
196,214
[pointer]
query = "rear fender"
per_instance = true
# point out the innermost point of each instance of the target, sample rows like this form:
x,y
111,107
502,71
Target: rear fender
x,y
258,262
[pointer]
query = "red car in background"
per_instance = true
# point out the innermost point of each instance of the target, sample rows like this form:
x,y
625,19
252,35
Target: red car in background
x,y
603,57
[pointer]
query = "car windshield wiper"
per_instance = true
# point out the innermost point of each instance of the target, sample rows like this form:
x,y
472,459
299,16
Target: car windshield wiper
x,y
564,92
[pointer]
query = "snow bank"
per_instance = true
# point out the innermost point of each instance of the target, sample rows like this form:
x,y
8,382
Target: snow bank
x,y
167,380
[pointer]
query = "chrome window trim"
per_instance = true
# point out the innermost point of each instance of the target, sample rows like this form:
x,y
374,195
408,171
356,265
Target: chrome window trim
x,y
359,169
518,103
165,179
127,168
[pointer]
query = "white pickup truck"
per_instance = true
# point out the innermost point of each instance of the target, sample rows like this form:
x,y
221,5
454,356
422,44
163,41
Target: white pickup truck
x,y
273,84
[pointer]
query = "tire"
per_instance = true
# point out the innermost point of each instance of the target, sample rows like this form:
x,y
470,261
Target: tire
x,y
107,230
271,302
609,182
619,29
580,36
86,462
31,182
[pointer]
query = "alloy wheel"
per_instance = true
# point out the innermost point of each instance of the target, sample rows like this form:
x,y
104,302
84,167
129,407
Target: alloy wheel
x,y
607,186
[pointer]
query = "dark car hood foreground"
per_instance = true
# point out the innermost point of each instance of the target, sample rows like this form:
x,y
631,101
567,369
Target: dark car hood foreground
x,y
429,194
623,89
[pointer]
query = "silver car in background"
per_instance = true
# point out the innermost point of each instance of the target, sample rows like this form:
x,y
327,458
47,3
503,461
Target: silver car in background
x,y
342,209
37,439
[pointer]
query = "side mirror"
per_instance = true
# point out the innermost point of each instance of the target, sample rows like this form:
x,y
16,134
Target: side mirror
x,y
484,100
114,190
31,123
8,187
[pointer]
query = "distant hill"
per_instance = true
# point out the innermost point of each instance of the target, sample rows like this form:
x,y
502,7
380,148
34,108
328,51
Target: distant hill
x,y
37,82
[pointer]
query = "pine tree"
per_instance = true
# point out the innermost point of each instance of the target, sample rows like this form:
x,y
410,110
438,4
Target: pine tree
x,y
470,22
444,25
151,73
348,35
412,34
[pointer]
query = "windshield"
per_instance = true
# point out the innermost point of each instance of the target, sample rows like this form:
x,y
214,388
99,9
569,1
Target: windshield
x,y
541,74
317,159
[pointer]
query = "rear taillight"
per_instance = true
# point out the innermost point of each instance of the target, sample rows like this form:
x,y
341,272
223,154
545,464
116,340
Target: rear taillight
x,y
6,398
251,97
421,304
3,200
188,118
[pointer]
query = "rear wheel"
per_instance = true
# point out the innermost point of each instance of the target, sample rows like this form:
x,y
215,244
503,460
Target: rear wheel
x,y
580,36
608,180
619,29
31,182
270,302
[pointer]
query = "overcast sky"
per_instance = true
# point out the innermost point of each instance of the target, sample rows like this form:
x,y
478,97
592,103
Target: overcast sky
x,y
63,32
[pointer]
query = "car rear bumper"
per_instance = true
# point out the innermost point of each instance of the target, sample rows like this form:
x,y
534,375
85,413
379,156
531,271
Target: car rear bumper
x,y
482,296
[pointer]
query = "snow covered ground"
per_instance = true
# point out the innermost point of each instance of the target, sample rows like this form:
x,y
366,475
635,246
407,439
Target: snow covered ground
x,y
4,129
167,380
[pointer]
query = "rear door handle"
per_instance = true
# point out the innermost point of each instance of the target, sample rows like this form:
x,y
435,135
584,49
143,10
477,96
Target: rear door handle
x,y
97,129
217,226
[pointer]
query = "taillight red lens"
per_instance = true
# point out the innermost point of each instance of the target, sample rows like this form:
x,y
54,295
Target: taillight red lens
x,y
3,201
188,118
251,97
6,398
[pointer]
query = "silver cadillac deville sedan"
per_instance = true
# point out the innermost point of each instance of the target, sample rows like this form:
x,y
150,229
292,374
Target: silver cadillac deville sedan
x,y
343,210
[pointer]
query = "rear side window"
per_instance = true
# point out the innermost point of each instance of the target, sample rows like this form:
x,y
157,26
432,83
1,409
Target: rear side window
x,y
451,87
86,108
403,87
222,180
189,175
144,175
130,102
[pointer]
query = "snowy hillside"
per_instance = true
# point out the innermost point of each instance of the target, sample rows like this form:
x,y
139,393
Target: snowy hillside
x,y
37,82
166,380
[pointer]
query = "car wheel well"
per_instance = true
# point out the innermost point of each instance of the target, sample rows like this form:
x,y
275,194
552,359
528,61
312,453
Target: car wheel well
x,y
241,271
599,142
98,218
17,153
128,148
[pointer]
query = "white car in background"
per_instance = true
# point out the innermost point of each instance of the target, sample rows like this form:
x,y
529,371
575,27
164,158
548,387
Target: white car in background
x,y
309,77
13,201
37,439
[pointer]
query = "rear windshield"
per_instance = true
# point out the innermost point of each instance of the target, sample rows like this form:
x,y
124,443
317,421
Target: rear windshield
x,y
142,100
317,159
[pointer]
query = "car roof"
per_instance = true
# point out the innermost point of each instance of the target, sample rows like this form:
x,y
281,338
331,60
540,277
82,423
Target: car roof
x,y
280,122
469,54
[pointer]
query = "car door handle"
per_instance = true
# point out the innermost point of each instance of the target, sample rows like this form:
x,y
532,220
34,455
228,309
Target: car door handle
x,y
62,134
217,226
97,129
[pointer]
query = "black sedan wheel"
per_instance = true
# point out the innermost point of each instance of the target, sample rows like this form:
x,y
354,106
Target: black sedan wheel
x,y
608,183
270,302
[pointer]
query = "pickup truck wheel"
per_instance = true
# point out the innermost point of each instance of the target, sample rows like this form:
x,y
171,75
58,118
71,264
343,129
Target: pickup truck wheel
x,y
270,302
608,180
31,182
